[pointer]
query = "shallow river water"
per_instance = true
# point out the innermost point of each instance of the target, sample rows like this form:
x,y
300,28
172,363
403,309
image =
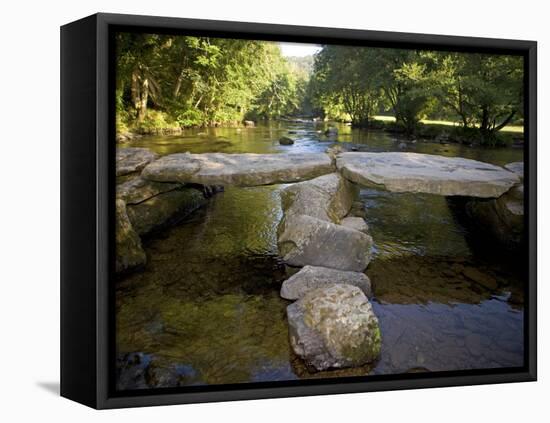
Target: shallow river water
x,y
206,308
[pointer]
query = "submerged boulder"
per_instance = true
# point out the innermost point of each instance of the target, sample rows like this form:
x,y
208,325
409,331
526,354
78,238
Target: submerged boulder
x,y
129,252
286,141
313,277
334,327
132,159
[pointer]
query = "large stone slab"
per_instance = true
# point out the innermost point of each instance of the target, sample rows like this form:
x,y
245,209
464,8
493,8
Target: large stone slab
x,y
132,159
313,277
334,327
425,173
238,169
304,240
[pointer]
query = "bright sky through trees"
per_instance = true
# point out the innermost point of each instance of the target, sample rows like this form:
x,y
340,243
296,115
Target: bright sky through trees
x,y
299,49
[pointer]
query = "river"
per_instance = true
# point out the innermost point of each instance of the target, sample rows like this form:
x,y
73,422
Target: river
x,y
206,308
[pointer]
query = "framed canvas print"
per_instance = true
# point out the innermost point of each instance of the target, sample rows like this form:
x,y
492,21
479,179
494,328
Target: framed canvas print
x,y
254,211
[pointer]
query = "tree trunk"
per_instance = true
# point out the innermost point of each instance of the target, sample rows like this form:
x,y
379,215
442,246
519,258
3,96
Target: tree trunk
x,y
484,125
505,122
144,97
177,88
135,90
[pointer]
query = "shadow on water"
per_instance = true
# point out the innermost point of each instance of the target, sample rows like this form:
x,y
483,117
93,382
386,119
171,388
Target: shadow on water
x,y
206,308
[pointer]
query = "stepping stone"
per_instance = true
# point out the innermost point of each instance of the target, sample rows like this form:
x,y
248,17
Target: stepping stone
x,y
306,240
313,277
334,327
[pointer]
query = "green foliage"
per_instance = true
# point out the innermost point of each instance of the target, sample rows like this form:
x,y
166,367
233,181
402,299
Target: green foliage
x,y
199,81
167,82
156,121
189,118
347,83
482,92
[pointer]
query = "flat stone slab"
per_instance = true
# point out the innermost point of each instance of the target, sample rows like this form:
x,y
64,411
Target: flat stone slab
x,y
137,190
132,159
516,167
425,173
313,277
238,169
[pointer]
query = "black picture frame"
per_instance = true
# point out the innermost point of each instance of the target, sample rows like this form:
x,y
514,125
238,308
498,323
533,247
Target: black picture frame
x,y
87,209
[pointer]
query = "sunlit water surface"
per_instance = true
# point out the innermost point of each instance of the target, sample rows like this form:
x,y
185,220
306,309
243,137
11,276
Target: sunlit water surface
x,y
206,309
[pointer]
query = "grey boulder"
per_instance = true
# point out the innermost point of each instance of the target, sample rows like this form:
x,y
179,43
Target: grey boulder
x,y
357,223
328,197
304,240
313,277
334,327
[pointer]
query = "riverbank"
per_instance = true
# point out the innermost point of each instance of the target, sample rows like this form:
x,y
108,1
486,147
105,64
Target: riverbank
x,y
429,130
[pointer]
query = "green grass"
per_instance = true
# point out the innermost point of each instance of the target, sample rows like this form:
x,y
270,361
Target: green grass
x,y
510,128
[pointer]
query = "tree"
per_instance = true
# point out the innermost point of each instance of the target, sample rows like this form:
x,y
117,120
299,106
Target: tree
x,y
485,91
194,81
348,77
405,84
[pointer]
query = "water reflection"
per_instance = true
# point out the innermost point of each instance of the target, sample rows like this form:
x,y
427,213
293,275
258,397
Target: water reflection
x,y
206,308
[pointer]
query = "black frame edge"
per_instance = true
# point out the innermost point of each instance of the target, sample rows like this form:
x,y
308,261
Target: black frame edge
x,y
78,212
531,193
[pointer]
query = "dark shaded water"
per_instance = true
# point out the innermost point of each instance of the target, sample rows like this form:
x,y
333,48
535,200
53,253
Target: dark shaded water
x,y
206,309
